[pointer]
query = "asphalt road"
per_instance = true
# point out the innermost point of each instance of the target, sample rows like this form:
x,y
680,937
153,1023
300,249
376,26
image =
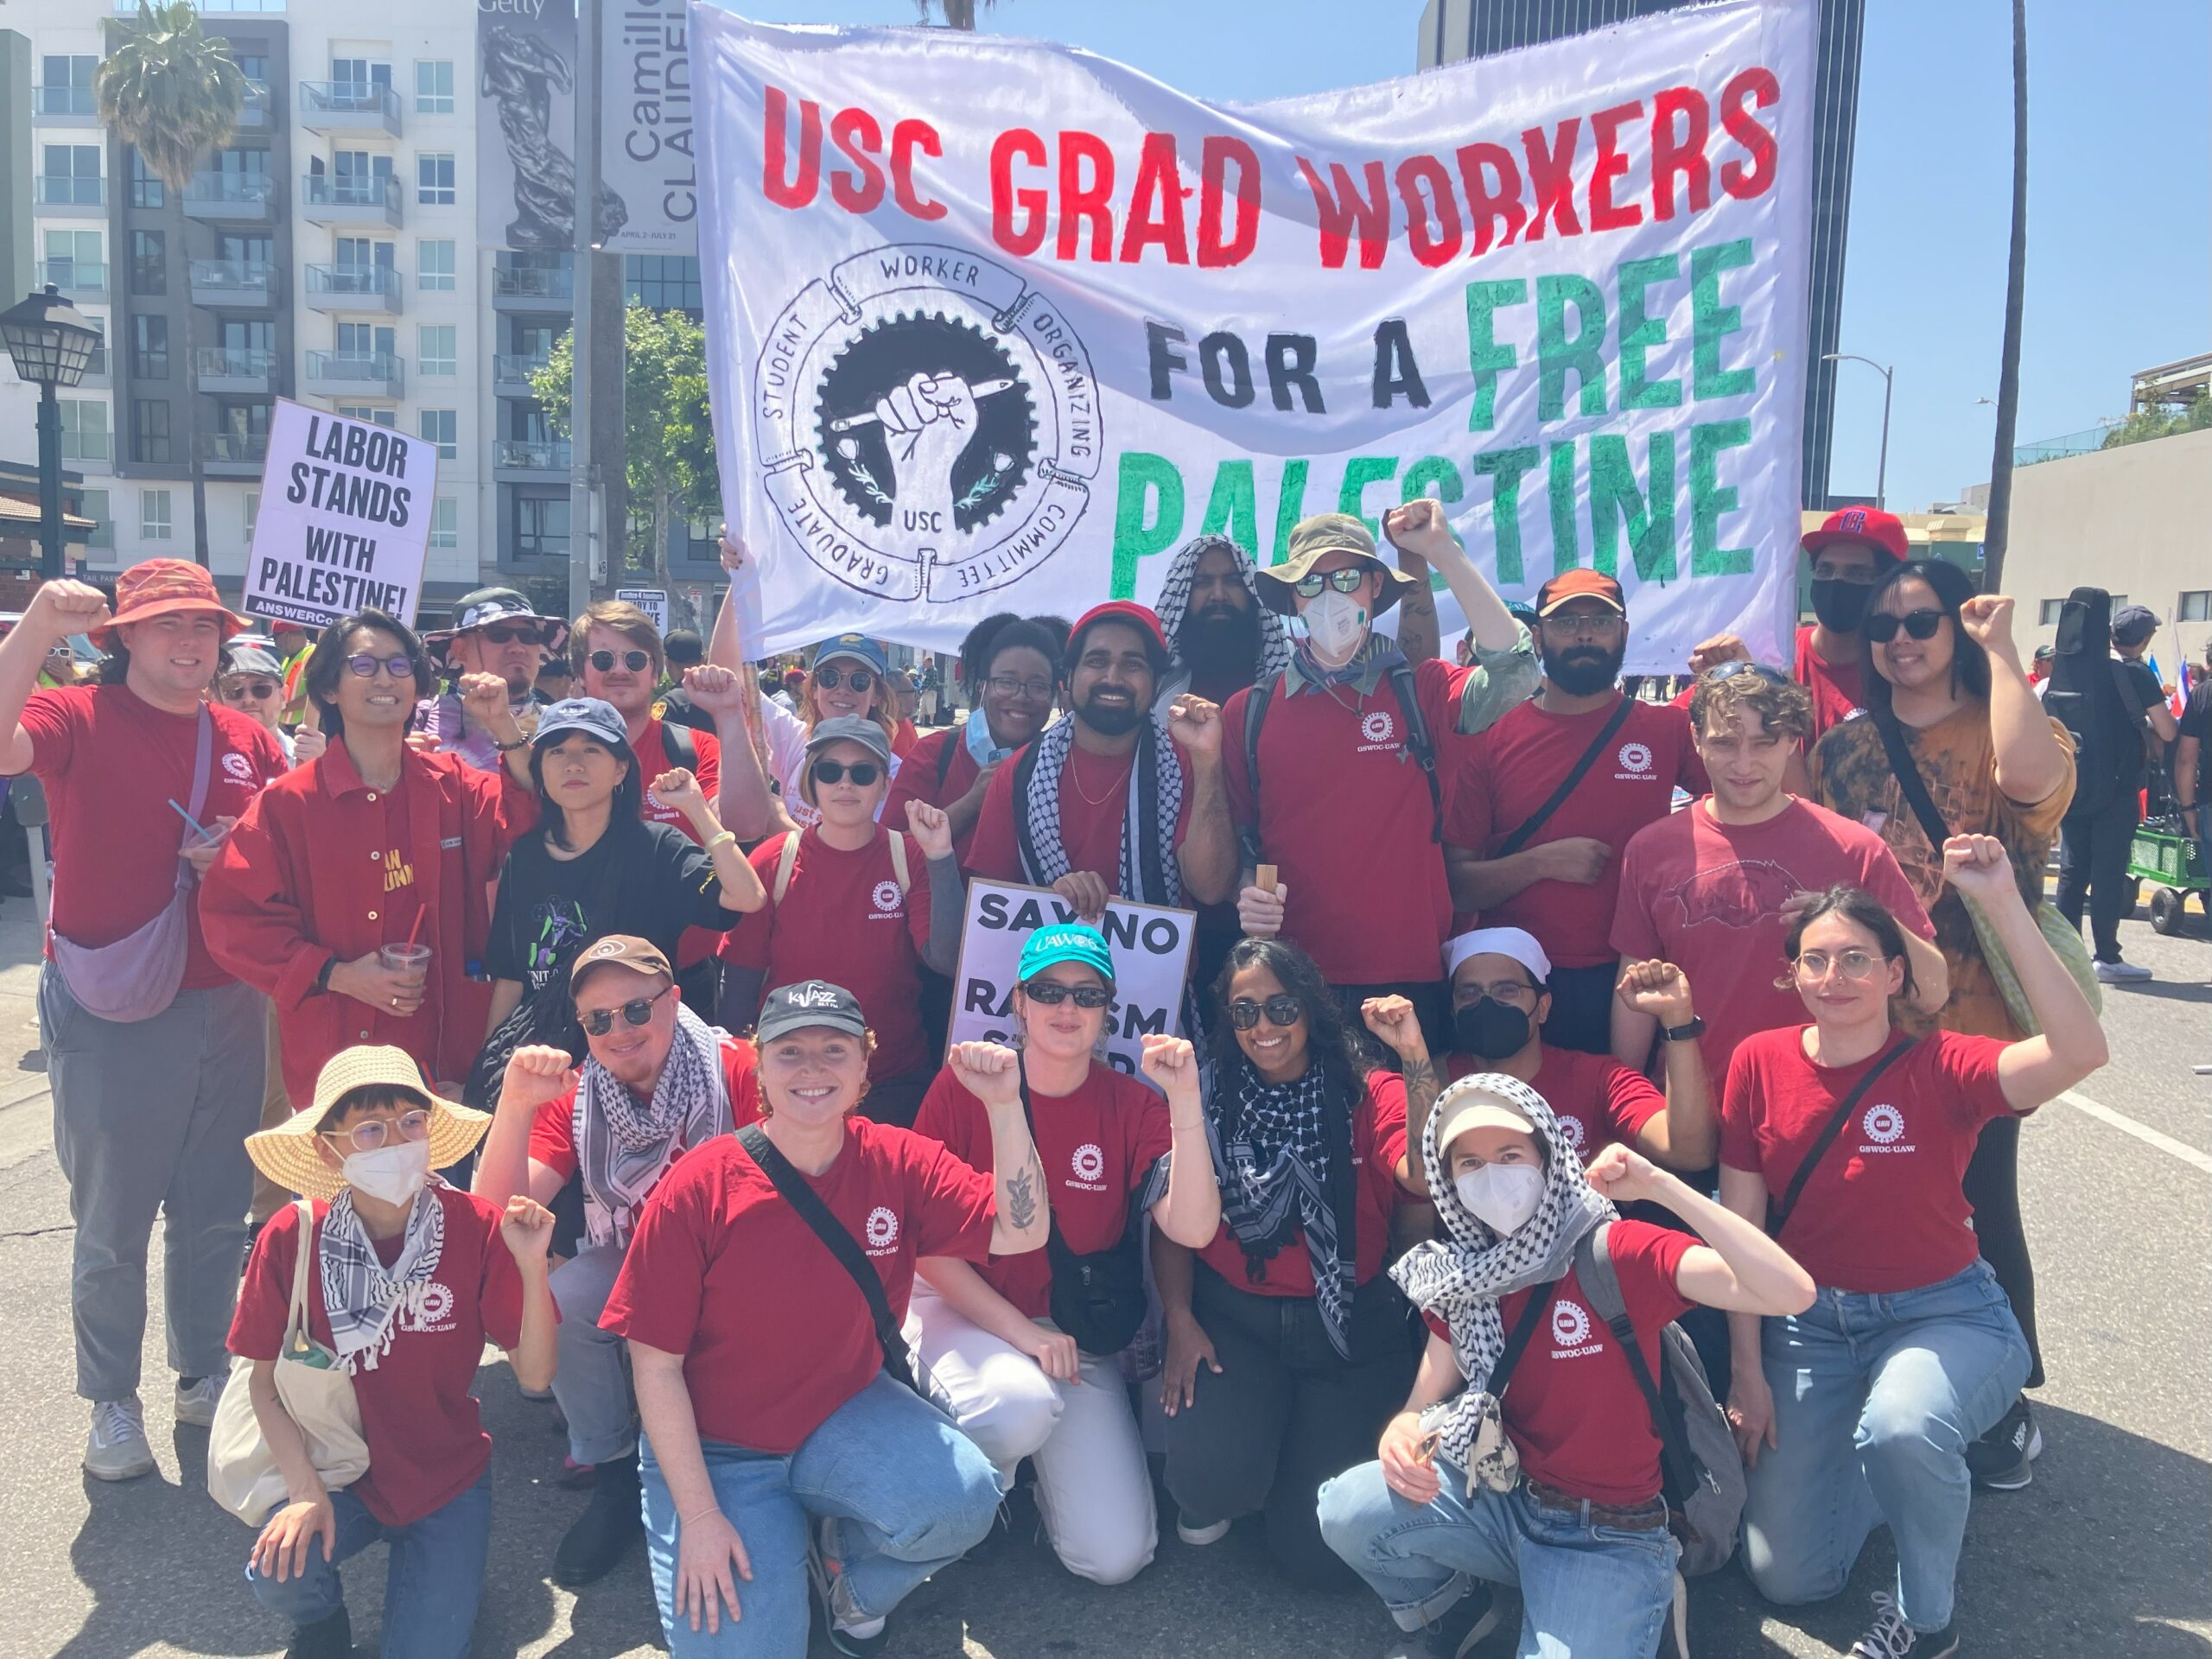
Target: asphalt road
x,y
2106,1554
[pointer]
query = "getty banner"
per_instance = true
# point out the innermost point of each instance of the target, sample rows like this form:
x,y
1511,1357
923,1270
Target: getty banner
x,y
997,325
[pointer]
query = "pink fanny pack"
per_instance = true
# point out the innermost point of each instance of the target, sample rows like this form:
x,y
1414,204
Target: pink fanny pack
x,y
137,976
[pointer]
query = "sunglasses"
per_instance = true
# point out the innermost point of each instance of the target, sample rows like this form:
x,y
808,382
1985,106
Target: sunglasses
x,y
599,1021
635,661
376,1133
1051,994
1883,626
863,772
514,636
364,666
1281,1009
1729,670
239,690
860,679
1345,580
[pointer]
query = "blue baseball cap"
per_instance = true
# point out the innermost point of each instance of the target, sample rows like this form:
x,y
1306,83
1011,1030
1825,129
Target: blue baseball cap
x,y
1065,942
858,646
591,715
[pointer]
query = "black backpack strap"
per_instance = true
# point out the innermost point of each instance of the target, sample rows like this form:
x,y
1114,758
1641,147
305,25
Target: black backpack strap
x,y
1421,743
1540,1304
955,737
1601,1284
1514,842
1778,1213
840,1243
679,745
1910,784
1255,717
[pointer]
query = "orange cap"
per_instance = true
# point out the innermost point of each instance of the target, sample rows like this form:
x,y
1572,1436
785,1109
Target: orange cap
x,y
1579,583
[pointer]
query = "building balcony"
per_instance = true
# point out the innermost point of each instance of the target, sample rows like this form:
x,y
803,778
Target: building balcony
x,y
533,288
254,109
64,107
529,460
74,275
347,106
236,369
234,198
510,371
354,288
349,199
234,284
232,455
71,198
363,374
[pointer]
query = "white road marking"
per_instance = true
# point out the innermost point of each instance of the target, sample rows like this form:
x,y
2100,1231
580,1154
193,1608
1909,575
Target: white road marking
x,y
2142,1132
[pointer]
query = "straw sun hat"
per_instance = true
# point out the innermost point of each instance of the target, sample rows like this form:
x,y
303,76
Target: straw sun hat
x,y
288,1156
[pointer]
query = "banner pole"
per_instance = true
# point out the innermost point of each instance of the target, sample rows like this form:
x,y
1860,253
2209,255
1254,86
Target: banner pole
x,y
582,334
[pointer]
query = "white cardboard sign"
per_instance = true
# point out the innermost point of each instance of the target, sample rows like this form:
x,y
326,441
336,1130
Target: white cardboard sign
x,y
345,517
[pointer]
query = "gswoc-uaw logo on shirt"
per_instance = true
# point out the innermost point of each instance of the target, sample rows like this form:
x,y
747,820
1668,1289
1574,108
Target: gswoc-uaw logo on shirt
x,y
1089,1164
886,897
1570,1324
926,423
1884,1127
1636,757
882,1230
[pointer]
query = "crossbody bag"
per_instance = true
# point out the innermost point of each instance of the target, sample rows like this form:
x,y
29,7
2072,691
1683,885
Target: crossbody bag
x,y
1778,1210
1097,1296
1537,820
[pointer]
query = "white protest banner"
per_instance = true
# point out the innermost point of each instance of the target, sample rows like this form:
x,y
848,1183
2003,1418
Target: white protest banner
x,y
1150,945
345,515
653,602
645,152
996,325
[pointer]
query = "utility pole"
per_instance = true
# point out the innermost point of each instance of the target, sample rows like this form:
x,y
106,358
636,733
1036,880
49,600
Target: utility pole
x,y
1999,523
581,468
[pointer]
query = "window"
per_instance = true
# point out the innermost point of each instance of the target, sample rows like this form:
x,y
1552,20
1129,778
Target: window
x,y
84,429
442,428
369,412
434,86
73,260
254,66
150,429
155,520
252,510
249,334
2048,615
146,189
433,267
663,282
445,522
98,363
149,347
438,351
96,509
2197,606
434,180
71,175
149,261
65,85
541,526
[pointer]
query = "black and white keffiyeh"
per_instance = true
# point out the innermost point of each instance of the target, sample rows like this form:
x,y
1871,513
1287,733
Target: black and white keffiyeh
x,y
364,1298
1147,871
1284,1154
623,1148
1175,604
1461,1277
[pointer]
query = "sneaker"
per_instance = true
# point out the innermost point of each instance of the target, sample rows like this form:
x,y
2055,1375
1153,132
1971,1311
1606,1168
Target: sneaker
x,y
116,1448
856,1638
604,1530
197,1398
1200,1534
1463,1623
1999,1460
576,1477
326,1639
1892,1639
2113,972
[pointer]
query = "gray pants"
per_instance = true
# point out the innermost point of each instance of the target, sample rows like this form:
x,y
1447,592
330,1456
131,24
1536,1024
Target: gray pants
x,y
149,1118
592,1383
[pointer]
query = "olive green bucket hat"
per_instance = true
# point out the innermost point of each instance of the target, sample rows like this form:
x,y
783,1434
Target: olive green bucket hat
x,y
1327,532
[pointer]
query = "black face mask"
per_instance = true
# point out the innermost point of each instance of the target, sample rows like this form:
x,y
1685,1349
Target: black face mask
x,y
1490,1030
1584,670
1840,606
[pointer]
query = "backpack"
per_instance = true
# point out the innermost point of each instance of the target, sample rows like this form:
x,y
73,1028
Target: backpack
x,y
787,860
2091,695
1419,743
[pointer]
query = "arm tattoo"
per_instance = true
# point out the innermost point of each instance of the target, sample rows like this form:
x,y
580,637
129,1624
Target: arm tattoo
x,y
1021,1196
1420,1097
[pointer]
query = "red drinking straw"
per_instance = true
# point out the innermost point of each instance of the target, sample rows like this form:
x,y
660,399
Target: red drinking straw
x,y
417,928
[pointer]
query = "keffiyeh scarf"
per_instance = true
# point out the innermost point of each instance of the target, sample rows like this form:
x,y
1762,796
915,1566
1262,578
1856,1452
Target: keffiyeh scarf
x,y
1284,1154
364,1299
623,1148
1175,605
1460,1277
1147,870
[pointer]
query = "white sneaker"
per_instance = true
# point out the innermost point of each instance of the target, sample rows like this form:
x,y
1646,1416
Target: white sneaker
x,y
116,1448
1199,1533
196,1405
2111,972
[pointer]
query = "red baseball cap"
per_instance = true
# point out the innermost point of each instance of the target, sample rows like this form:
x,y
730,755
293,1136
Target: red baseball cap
x,y
1579,583
1139,617
1864,526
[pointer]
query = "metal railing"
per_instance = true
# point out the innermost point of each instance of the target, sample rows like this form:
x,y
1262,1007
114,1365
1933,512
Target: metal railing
x,y
517,365
347,98
533,283
63,100
242,277
534,455
350,190
353,366
55,191
258,188
234,446
381,280
84,275
235,362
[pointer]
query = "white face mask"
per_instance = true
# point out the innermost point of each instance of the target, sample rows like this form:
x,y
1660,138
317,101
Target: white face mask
x,y
1336,623
1502,1196
393,1173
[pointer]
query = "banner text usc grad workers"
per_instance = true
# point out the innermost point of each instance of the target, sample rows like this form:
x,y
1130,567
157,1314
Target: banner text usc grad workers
x,y
995,325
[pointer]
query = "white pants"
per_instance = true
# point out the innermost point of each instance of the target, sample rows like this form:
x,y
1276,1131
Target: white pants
x,y
1094,1491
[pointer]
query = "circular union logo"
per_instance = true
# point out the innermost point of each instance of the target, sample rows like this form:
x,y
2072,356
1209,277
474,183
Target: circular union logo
x,y
1090,1162
1378,726
1570,1324
1636,757
886,896
882,1228
239,767
1576,1135
1884,1124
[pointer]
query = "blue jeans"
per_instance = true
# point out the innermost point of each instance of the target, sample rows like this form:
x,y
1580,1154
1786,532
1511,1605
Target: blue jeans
x,y
1598,1591
432,1584
1876,1399
906,1491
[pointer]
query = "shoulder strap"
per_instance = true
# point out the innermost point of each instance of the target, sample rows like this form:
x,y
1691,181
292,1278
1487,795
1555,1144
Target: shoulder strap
x,y
898,864
839,1242
679,745
1529,826
2131,698
295,1316
787,860
1255,717
203,761
1910,784
955,737
1779,1213
1594,1271
1541,1299
1419,743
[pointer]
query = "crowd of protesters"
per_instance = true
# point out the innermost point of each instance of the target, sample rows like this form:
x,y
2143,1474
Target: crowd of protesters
x,y
1585,1107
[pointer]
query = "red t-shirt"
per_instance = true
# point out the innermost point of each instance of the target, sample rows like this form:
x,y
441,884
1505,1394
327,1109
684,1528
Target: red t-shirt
x,y
775,1335
112,762
1378,1144
696,943
1098,1146
844,920
1571,1405
1511,769
1883,1211
427,1444
1093,803
1835,686
553,1130
916,780
1707,897
1597,1100
1342,812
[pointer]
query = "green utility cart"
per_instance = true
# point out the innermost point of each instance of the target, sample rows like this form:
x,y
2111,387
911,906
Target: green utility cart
x,y
2162,852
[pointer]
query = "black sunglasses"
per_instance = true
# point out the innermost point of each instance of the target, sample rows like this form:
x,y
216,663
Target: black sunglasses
x,y
635,661
863,772
599,1021
1345,580
364,666
1771,675
509,636
258,690
1883,626
1281,1009
1051,994
860,679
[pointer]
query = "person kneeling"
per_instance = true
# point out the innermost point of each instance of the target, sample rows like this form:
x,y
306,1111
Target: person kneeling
x,y
413,1276
1535,1462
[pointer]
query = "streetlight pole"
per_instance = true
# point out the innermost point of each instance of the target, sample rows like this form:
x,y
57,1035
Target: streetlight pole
x,y
51,344
49,483
1882,471
583,331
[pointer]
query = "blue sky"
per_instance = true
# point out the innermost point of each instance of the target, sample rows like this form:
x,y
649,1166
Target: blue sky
x,y
2119,211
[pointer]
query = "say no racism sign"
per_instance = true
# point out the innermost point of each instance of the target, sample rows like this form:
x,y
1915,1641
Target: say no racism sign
x,y
345,515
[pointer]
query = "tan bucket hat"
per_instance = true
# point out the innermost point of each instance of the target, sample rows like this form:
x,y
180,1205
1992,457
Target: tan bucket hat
x,y
1326,532
287,1154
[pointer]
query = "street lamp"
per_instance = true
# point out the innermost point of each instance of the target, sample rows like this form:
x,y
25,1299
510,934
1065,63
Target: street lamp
x,y
52,345
1882,474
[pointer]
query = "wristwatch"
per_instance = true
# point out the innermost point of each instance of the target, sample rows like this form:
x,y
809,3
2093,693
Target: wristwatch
x,y
1693,1027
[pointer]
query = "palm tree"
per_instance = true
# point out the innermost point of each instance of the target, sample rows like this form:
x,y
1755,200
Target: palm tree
x,y
171,92
2016,274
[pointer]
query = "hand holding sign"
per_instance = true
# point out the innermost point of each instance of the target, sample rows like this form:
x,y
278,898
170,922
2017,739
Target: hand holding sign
x,y
1260,906
1087,891
990,1071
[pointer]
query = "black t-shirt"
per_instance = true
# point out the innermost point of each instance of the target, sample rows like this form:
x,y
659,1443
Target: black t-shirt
x,y
2196,722
645,879
2135,757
